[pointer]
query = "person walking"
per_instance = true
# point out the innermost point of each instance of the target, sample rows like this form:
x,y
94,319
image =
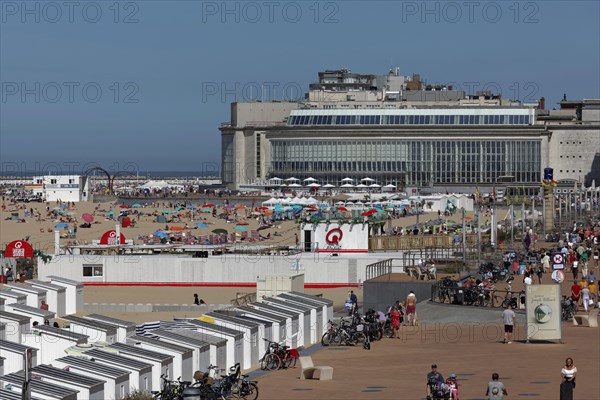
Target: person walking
x,y
395,315
354,301
508,317
496,389
411,308
568,374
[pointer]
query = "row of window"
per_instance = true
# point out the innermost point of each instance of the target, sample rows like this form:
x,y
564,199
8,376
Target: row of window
x,y
408,120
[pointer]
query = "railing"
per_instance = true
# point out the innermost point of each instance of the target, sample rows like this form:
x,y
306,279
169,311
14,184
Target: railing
x,y
243,299
379,268
395,242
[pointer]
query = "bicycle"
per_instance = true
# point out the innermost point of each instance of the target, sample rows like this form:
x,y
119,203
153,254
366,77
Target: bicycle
x,y
170,390
332,335
278,356
236,386
505,301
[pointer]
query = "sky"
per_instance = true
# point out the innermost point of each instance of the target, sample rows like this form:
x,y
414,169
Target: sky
x,y
144,85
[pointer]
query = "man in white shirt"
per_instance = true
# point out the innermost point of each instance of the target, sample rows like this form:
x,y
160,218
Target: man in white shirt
x,y
546,263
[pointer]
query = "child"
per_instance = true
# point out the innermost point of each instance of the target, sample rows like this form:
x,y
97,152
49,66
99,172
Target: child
x,y
453,385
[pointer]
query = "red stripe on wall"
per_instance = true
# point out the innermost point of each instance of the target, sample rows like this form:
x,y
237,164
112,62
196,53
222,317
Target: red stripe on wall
x,y
342,251
215,284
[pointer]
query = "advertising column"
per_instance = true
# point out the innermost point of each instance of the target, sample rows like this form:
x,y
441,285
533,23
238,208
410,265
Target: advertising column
x,y
543,312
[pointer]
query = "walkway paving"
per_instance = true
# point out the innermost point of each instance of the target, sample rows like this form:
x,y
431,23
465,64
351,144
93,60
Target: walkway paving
x,y
396,369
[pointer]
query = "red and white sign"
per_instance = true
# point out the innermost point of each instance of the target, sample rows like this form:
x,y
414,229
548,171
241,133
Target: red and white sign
x,y
110,238
334,236
18,249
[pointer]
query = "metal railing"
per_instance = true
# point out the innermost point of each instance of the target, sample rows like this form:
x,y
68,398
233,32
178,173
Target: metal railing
x,y
379,268
474,296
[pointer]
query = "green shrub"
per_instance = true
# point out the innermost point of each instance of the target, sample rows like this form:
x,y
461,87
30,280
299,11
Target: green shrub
x,y
139,395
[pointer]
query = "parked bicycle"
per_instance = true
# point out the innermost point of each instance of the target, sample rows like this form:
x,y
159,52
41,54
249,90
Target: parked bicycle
x,y
237,386
170,389
278,356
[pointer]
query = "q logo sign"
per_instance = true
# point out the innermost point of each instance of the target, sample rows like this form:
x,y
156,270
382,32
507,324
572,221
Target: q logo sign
x,y
334,236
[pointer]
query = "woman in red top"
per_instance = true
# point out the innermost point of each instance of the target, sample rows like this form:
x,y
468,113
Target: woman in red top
x,y
395,314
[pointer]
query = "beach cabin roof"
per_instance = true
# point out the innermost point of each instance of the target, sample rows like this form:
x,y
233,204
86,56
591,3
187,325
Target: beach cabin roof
x,y
38,312
234,320
46,285
14,347
316,299
90,323
25,288
66,376
5,315
39,386
91,366
12,294
63,333
184,336
260,313
116,359
6,394
65,281
111,321
216,328
140,352
160,343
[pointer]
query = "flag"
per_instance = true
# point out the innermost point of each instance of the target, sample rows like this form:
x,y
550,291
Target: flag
x,y
477,191
494,192
507,197
516,195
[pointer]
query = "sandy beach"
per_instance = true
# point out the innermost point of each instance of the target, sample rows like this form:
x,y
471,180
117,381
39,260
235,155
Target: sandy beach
x,y
40,233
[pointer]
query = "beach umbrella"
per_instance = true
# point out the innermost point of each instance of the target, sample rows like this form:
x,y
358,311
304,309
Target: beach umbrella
x,y
340,203
292,179
136,205
87,217
310,179
347,180
347,185
313,185
374,185
61,225
367,180
294,185
110,213
177,228
328,186
192,207
263,208
160,234
242,223
342,209
241,207
219,231
268,213
179,208
208,205
167,212
206,210
201,225
123,206
241,228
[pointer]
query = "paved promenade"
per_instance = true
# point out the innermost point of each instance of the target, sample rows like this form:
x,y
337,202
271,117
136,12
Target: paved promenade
x,y
396,368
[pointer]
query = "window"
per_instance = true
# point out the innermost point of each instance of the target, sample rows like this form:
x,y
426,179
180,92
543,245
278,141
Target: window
x,y
92,270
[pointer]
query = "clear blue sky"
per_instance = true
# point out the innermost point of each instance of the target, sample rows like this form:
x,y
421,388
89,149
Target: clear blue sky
x,y
162,74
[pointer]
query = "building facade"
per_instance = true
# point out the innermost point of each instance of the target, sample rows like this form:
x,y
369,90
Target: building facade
x,y
399,131
66,188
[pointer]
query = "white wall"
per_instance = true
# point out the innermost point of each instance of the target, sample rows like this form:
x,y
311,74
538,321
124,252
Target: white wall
x,y
354,238
49,347
318,268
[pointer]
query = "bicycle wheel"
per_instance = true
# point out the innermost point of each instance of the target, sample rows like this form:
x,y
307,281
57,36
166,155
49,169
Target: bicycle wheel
x,y
290,362
359,338
250,391
272,362
326,339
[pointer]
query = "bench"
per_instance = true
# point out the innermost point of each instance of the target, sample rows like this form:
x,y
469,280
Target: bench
x,y
590,319
308,370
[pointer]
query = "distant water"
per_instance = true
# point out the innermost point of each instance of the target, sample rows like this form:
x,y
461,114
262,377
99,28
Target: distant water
x,y
142,174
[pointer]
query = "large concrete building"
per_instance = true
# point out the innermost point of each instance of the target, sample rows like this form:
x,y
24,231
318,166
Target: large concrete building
x,y
398,130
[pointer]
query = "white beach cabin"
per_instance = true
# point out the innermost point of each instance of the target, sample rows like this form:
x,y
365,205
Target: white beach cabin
x,y
162,364
251,331
204,353
35,296
183,357
52,342
124,328
11,297
141,372
14,356
34,313
39,388
14,325
74,293
96,330
56,296
116,381
89,388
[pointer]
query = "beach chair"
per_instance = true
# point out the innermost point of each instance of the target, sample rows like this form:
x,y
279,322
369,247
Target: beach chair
x,y
309,371
255,236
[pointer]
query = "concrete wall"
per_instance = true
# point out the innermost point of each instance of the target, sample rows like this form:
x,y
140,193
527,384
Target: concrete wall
x,y
230,269
381,295
572,152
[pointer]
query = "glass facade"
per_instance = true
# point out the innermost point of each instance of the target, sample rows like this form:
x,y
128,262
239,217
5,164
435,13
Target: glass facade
x,y
408,162
441,119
